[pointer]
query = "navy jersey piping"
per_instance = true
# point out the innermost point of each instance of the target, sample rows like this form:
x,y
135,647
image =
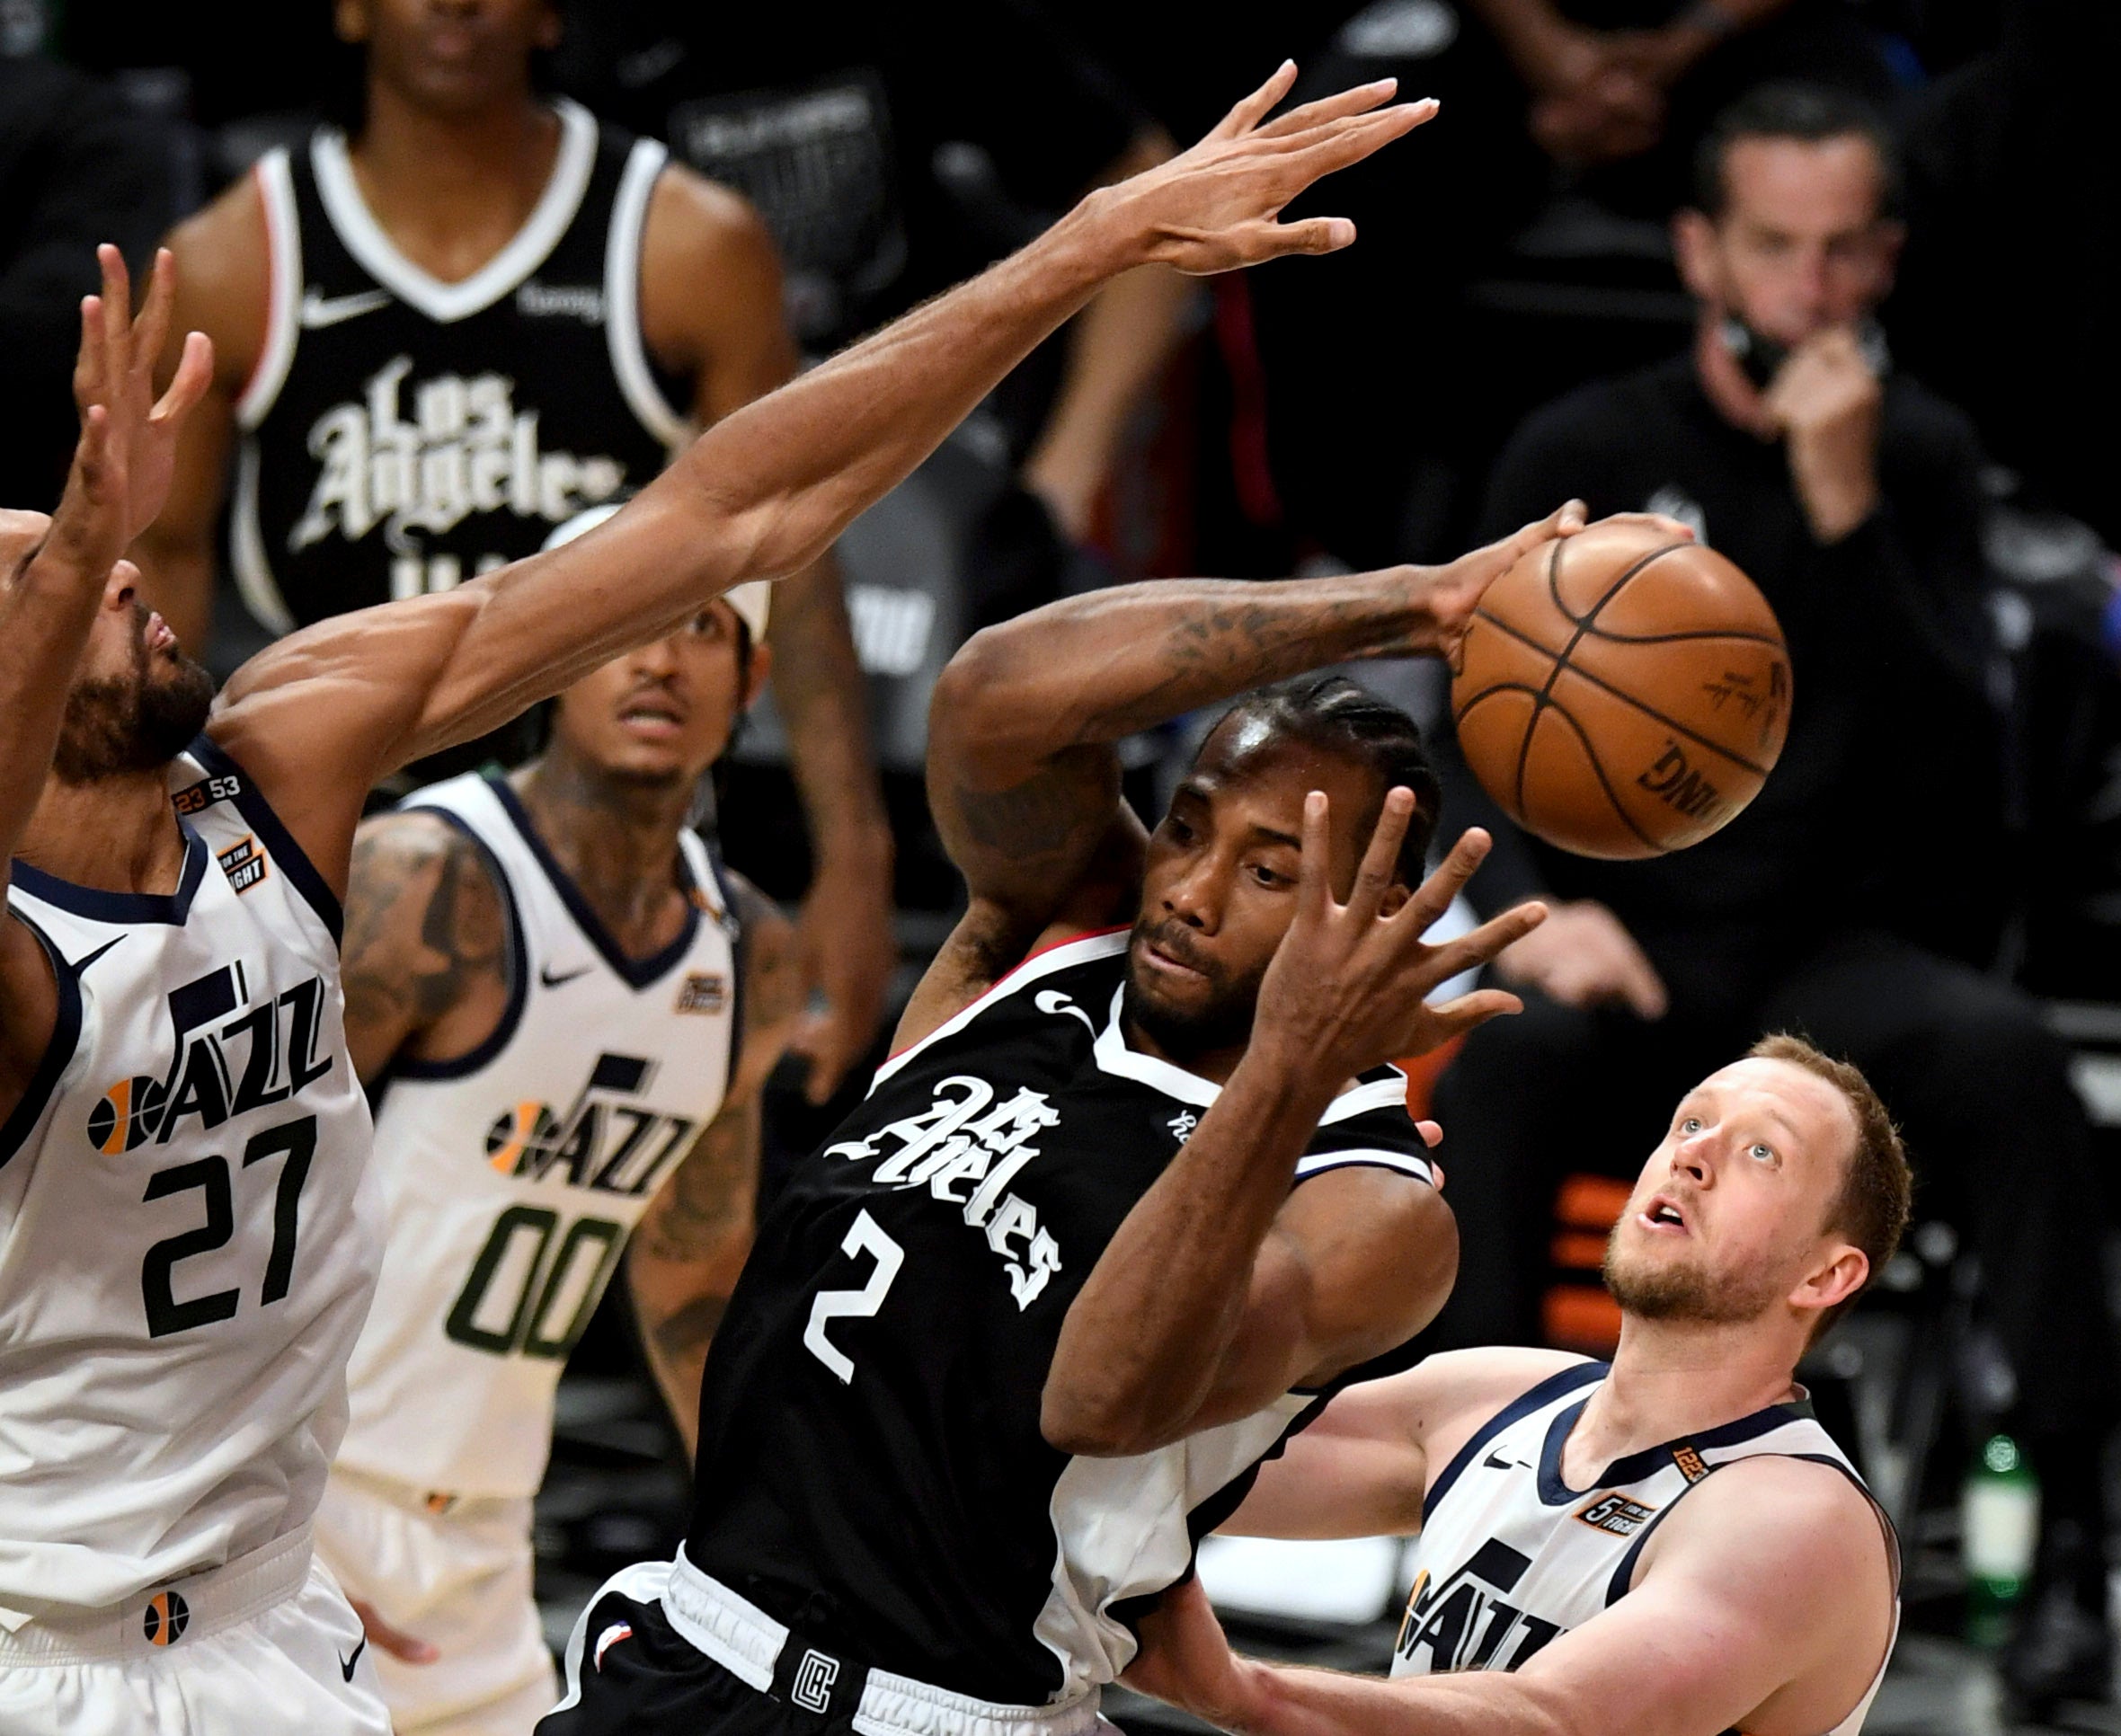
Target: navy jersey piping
x,y
518,989
1634,1466
170,909
1563,1380
740,960
637,973
279,843
66,1034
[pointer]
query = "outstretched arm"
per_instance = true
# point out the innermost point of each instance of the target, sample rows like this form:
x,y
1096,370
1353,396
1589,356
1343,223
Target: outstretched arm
x,y
684,1259
1023,772
1764,1603
765,491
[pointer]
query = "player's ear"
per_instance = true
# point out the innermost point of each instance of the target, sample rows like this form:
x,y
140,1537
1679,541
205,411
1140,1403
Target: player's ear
x,y
350,21
756,667
1835,1276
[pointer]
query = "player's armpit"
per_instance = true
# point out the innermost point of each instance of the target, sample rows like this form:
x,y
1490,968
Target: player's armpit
x,y
426,959
1360,1470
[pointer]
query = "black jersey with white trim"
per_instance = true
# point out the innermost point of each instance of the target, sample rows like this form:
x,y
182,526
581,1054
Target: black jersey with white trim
x,y
871,1470
401,434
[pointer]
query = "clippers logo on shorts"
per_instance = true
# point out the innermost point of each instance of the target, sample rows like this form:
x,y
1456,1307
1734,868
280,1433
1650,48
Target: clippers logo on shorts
x,y
1616,1514
704,991
1468,1621
244,863
966,1150
812,1687
466,448
227,1057
606,1140
166,1618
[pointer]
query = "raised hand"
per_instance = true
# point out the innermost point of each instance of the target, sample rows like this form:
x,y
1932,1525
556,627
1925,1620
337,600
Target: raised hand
x,y
1346,988
1216,206
127,452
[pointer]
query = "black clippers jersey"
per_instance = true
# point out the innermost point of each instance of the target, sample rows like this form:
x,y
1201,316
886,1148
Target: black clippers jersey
x,y
871,1470
400,434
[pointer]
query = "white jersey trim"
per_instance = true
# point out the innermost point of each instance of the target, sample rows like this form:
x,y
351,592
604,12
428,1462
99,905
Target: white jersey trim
x,y
445,303
622,297
254,583
1057,957
275,180
1368,1157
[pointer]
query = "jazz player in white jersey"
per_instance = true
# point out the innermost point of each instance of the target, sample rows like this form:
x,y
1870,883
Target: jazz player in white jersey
x,y
565,1008
1666,1547
188,1230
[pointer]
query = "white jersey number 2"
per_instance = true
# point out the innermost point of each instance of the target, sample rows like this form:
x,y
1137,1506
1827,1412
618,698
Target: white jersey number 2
x,y
863,1237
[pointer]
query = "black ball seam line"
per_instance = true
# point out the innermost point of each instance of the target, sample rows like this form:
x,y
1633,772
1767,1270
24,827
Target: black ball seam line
x,y
1598,770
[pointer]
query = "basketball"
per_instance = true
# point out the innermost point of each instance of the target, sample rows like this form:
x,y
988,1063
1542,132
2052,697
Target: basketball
x,y
1623,694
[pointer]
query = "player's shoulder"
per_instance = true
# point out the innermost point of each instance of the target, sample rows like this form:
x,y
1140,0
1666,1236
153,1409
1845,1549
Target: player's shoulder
x,y
696,225
1777,1517
773,975
1445,1399
223,270
415,859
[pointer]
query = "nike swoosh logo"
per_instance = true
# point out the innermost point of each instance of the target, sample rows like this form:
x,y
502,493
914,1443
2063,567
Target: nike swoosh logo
x,y
319,311
83,963
545,975
346,1664
1497,1462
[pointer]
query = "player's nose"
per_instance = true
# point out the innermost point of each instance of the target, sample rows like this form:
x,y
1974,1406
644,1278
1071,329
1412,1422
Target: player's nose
x,y
122,586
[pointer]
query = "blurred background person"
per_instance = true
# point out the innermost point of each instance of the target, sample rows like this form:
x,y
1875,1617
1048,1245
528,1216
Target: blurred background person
x,y
1854,899
446,331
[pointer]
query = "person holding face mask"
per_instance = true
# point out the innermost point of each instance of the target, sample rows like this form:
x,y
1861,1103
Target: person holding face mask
x,y
1855,899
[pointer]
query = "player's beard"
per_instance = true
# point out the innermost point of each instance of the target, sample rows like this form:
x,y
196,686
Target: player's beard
x,y
120,727
1222,1022
1682,1291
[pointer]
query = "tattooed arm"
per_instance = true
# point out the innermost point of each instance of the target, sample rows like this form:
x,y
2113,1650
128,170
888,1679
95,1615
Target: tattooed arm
x,y
1022,770
426,961
684,1258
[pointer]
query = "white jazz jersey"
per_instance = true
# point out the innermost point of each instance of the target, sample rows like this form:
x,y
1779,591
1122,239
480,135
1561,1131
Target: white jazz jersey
x,y
512,1177
1510,1557
188,1233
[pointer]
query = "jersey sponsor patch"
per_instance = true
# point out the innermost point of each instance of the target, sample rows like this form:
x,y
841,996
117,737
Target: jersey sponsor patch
x,y
1616,1514
244,863
965,1150
702,991
574,301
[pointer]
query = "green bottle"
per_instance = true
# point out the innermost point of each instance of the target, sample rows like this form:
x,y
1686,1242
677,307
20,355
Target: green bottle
x,y
1999,1530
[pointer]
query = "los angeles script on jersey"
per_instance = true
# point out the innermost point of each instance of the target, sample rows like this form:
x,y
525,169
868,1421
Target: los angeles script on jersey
x,y
219,1067
466,449
966,1149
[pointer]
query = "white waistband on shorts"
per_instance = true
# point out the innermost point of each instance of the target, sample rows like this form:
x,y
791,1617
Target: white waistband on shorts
x,y
167,1616
747,1641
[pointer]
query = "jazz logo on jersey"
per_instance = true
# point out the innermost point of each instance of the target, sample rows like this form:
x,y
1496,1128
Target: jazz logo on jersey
x,y
166,1618
466,449
1616,1514
702,991
244,863
967,1158
1469,1621
607,1139
217,1070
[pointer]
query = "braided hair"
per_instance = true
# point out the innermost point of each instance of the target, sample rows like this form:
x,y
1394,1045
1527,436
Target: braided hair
x,y
1333,714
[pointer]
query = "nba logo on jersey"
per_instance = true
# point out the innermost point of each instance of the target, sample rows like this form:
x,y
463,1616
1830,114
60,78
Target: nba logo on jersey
x,y
812,1687
166,1618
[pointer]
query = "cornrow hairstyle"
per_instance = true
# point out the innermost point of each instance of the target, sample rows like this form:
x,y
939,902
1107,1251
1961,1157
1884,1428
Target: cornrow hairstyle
x,y
1332,712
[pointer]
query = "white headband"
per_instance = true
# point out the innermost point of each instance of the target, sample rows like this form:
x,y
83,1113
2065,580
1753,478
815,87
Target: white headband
x,y
751,602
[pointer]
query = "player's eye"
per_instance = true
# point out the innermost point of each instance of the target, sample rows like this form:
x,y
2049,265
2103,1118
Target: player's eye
x,y
1690,1124
703,624
1762,1152
1180,831
1268,877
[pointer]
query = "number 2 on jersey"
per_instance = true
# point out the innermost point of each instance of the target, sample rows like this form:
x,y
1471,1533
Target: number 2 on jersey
x,y
863,1237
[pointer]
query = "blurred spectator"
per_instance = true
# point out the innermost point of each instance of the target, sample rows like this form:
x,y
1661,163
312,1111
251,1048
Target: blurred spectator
x,y
442,336
1609,83
77,166
1833,903
2014,207
893,152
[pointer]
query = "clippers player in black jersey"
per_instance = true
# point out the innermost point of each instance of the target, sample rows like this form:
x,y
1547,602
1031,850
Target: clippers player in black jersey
x,y
445,335
176,1335
1666,1546
1136,1194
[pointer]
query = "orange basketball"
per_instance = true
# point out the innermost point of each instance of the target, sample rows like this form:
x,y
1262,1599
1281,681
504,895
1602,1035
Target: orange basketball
x,y
1623,694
